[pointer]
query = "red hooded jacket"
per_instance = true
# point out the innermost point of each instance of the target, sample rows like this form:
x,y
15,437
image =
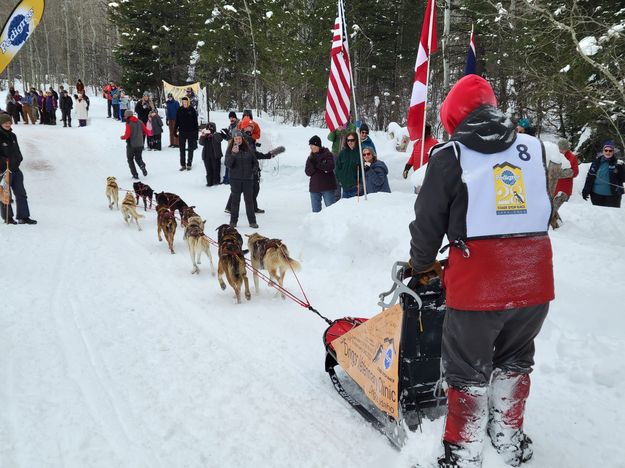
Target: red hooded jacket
x,y
566,185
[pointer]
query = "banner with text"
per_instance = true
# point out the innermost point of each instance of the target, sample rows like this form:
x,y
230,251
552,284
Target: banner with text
x,y
18,28
369,354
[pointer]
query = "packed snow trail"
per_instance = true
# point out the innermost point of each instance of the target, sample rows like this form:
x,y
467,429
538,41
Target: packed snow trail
x,y
113,354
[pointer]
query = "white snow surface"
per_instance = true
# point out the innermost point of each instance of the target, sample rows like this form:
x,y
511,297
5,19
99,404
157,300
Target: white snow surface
x,y
113,354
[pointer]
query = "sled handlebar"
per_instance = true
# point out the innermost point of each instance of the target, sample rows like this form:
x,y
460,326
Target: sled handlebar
x,y
397,273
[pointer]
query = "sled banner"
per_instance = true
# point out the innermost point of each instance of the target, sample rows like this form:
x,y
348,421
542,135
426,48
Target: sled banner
x,y
18,28
179,91
370,355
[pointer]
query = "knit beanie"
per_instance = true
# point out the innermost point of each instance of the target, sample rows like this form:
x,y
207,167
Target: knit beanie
x,y
608,144
237,133
364,128
4,118
315,140
128,113
232,114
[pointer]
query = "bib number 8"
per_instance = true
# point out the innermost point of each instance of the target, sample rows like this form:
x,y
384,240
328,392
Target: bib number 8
x,y
523,154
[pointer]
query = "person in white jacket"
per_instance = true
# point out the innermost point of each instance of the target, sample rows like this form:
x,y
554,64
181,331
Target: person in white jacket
x,y
81,109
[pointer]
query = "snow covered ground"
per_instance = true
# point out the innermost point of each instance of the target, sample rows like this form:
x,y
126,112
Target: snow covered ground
x,y
113,354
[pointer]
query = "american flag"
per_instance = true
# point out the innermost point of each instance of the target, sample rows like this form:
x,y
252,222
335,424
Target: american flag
x,y
427,45
339,84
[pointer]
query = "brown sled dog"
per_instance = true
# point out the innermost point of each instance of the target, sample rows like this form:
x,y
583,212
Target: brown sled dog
x,y
166,222
197,243
129,210
232,262
186,213
171,201
145,192
112,192
271,255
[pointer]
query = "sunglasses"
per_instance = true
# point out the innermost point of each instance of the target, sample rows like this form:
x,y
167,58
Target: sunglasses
x,y
365,132
608,151
366,154
351,139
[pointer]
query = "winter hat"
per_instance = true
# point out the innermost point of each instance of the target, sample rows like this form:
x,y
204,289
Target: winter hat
x,y
212,127
237,133
364,128
4,118
469,93
564,144
128,113
232,114
145,93
524,123
170,95
184,98
315,140
608,144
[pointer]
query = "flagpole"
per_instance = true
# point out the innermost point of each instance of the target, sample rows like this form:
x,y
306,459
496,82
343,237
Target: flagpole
x,y
427,82
351,76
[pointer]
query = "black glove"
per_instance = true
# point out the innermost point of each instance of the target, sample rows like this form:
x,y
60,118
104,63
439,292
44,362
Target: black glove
x,y
585,195
276,151
257,145
406,170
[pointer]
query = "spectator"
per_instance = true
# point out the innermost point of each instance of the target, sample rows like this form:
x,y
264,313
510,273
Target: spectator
x,y
376,173
243,165
212,154
564,186
51,105
106,94
80,88
11,156
136,131
115,101
27,107
155,127
337,137
41,105
365,140
18,105
246,121
348,166
66,106
234,122
171,109
124,105
320,169
604,182
415,158
82,109
54,93
143,108
186,128
524,126
11,106
192,98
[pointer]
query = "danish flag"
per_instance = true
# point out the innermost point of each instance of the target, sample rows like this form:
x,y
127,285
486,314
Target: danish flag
x,y
339,84
427,45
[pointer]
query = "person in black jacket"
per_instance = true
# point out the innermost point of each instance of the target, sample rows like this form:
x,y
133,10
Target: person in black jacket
x,y
243,165
604,182
186,127
11,156
143,108
66,105
212,154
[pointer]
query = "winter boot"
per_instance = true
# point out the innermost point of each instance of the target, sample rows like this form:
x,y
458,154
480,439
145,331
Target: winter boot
x,y
465,427
508,393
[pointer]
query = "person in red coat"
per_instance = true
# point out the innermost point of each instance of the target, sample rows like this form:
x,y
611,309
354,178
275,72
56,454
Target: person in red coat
x,y
415,157
564,187
486,191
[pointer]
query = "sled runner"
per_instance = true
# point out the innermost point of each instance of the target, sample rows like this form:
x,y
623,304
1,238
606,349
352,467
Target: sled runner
x,y
391,361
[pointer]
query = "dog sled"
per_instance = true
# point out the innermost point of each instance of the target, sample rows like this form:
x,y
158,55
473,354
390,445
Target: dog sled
x,y
389,366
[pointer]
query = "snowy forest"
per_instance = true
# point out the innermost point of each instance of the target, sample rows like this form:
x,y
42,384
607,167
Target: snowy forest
x,y
559,63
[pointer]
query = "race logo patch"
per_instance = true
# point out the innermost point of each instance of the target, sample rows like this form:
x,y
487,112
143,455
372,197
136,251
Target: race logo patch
x,y
509,190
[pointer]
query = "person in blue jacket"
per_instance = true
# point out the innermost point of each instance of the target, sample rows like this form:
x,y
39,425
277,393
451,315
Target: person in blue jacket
x,y
604,182
170,119
376,172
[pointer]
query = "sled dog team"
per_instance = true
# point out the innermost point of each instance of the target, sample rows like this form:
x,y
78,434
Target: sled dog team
x,y
267,254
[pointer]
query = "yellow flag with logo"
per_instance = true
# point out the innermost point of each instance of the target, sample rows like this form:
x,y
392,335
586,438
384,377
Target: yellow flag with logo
x,y
18,28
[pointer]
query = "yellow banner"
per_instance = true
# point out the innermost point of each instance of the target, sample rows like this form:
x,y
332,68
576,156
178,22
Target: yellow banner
x,y
179,91
19,27
370,355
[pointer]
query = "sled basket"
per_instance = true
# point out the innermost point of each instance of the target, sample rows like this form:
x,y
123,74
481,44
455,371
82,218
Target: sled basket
x,y
419,354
